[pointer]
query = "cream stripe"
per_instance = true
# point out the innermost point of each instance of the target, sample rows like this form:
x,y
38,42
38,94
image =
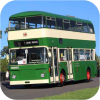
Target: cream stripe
x,y
40,33
31,82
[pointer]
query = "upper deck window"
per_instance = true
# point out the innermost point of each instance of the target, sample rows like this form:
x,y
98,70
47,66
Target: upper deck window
x,y
85,28
90,27
27,23
35,22
51,22
79,27
73,25
59,23
66,24
16,24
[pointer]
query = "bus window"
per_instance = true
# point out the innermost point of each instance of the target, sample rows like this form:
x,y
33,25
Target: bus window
x,y
31,25
76,54
62,54
51,22
87,54
59,23
73,25
31,22
82,54
66,25
22,25
85,28
92,54
13,56
37,55
90,27
35,22
16,24
18,56
79,27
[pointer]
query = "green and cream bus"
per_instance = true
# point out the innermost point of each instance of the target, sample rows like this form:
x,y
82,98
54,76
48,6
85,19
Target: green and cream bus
x,y
47,48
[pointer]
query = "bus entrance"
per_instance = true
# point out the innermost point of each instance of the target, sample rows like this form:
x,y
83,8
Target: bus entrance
x,y
54,76
69,63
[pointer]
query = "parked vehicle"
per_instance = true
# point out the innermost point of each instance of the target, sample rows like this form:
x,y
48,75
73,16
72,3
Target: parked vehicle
x,y
2,78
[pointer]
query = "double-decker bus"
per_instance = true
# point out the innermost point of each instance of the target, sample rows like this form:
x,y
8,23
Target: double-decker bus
x,y
47,48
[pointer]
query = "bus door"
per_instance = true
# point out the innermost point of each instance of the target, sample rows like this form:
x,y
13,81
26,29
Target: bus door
x,y
53,61
69,63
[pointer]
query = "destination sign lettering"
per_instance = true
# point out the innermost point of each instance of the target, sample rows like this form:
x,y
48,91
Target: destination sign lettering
x,y
26,43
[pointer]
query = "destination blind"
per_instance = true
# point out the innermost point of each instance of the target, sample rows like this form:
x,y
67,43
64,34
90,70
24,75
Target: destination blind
x,y
26,43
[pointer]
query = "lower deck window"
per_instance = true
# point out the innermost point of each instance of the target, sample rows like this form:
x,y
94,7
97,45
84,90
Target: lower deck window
x,y
87,54
82,54
76,54
91,54
62,55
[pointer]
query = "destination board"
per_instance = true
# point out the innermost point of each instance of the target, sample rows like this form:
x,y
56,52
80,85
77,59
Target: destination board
x,y
26,43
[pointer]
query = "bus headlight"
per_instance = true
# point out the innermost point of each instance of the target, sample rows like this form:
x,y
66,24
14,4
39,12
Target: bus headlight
x,y
14,76
42,75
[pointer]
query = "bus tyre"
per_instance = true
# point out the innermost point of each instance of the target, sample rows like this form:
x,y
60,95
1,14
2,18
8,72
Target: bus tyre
x,y
62,79
88,75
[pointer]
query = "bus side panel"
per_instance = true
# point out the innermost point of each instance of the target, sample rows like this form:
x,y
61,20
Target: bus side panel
x,y
83,70
92,65
76,70
80,69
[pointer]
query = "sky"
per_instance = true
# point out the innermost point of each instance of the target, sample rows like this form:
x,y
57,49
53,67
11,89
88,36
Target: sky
x,y
80,9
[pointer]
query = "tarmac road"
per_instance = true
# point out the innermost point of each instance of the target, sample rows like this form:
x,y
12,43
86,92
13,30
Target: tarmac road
x,y
37,91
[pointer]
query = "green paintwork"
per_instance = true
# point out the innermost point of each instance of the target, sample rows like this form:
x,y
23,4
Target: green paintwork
x,y
54,42
35,13
14,73
29,72
80,69
63,66
33,72
32,66
81,66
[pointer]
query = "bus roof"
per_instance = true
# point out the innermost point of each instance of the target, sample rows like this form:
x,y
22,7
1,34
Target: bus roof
x,y
34,13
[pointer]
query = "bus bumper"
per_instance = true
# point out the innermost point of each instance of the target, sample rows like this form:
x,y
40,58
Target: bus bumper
x,y
29,82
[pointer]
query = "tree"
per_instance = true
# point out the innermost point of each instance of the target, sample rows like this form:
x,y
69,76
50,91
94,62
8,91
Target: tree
x,y
98,65
6,31
4,64
98,60
4,51
0,34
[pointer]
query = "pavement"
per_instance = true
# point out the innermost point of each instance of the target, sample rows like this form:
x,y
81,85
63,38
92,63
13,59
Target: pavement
x,y
37,91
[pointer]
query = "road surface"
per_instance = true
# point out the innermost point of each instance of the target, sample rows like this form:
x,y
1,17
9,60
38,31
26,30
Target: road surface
x,y
37,91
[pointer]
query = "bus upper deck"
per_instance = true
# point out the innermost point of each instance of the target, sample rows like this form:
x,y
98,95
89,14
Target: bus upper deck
x,y
38,19
50,28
